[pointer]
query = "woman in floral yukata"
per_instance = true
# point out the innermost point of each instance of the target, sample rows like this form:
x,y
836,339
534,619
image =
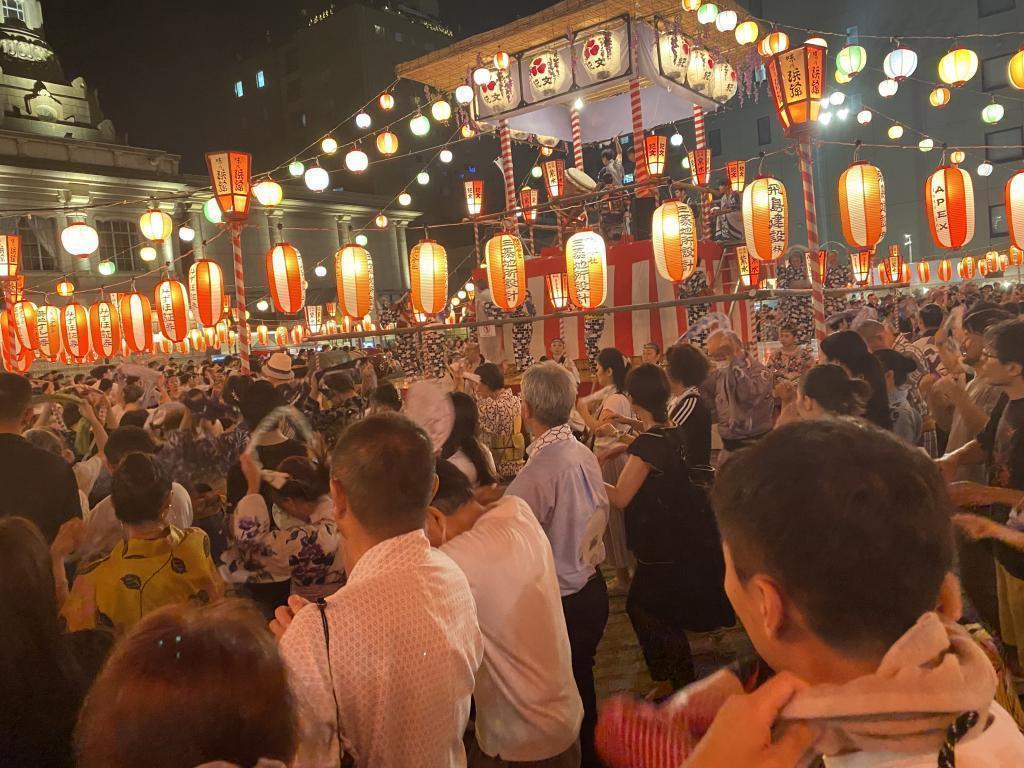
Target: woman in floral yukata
x,y
297,540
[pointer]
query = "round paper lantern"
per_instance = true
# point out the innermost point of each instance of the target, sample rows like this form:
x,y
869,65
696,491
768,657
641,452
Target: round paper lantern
x,y
386,101
746,32
772,43
317,179
172,309
74,330
419,125
506,271
862,205
601,55
48,330
357,161
900,63
707,13
296,168
1014,200
136,322
405,199
966,268
949,206
65,288
692,5
957,156
329,145
895,132
441,110
887,88
212,211
428,275
586,264
674,236
939,97
285,278
79,239
24,318
958,66
726,21
353,274
945,270
186,233
765,218
724,83
1015,70
387,143
992,261
445,156
105,328
992,113
851,60
464,94
268,192
985,168
381,221
206,289
699,70
926,144
422,178
155,225
864,116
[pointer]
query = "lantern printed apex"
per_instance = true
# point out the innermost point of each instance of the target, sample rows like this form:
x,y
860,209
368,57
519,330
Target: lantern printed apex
x,y
105,328
674,239
428,277
796,78
74,329
48,330
10,256
353,273
506,271
554,177
586,262
286,278
230,175
765,218
949,205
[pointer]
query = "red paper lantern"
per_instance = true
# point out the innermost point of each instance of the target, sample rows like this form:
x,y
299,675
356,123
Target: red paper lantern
x,y
894,264
16,357
554,177
558,290
206,289
1015,257
860,262
528,202
750,269
736,170
700,166
923,271
883,274
353,275
136,322
966,268
296,335
286,278
230,174
796,79
1014,199
24,318
281,336
506,271
75,330
48,323
949,204
105,328
474,196
172,309
655,149
945,270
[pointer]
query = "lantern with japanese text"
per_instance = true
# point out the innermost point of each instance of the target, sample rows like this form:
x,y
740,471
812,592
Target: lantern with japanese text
x,y
262,334
314,318
862,205
136,314
982,266
655,148
586,263
155,225
105,328
353,274
558,290
966,268
924,271
474,196
172,309
945,270
601,54
528,197
1015,257
673,54
893,264
162,344
74,330
949,206
10,256
674,239
286,278
724,82
428,276
860,263
48,330
736,170
24,318
16,357
765,218
700,166
230,174
206,289
1014,199
554,177
749,269
281,336
296,334
506,271
797,81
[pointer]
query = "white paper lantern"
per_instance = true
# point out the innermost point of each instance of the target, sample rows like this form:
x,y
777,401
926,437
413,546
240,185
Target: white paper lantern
x,y
887,88
317,179
899,64
699,70
357,161
363,121
985,169
724,83
419,125
674,54
481,76
445,156
864,116
79,239
464,94
441,111
726,21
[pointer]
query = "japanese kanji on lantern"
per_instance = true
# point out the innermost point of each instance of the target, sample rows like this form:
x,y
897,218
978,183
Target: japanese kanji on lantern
x,y
949,206
428,276
506,271
16,357
281,336
796,78
172,309
765,218
230,173
554,177
674,239
528,202
48,322
862,205
1014,199
586,264
749,269
474,196
206,290
136,322
262,334
700,166
24,316
655,149
10,256
736,170
74,330
314,318
286,278
966,268
353,274
104,328
558,290
893,264
860,264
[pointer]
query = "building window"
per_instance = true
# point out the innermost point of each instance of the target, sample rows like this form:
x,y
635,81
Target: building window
x,y
764,130
993,73
118,241
35,256
239,89
997,221
1004,145
715,141
13,9
992,7
261,80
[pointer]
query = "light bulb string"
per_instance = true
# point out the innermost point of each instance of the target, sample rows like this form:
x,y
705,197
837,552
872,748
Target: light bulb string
x,y
933,84
889,36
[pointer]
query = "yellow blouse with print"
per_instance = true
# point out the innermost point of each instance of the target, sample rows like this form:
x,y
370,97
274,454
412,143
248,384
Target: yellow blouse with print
x,y
139,576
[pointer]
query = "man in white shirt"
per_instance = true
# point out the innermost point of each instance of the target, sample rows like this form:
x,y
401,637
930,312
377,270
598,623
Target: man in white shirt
x,y
392,684
527,707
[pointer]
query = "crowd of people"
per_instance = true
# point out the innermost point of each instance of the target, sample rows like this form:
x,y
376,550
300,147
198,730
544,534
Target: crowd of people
x,y
322,564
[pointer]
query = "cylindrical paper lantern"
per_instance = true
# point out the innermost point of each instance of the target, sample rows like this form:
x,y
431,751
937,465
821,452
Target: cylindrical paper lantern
x,y
353,274
136,322
554,177
314,318
296,334
24,317
860,263
558,290
1014,199
949,206
737,172
105,328
74,330
862,205
1015,257
966,268
474,196
428,275
945,270
924,272
286,279
172,309
528,202
893,264
281,336
48,323
262,334
586,263
206,289
506,271
10,256
674,235
750,269
655,148
765,218
10,343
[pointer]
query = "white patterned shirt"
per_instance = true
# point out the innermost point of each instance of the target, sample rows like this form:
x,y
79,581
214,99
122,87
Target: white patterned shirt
x,y
404,651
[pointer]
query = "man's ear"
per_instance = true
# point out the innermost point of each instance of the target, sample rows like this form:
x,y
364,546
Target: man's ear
x,y
950,605
340,500
770,603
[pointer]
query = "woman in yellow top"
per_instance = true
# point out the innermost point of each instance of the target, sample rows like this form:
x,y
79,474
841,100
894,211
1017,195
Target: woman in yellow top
x,y
156,564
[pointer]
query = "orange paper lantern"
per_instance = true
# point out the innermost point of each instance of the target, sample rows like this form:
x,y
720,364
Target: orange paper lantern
x,y
558,290
105,328
24,319
586,263
923,271
506,271
262,334
655,149
765,218
862,205
736,170
428,275
230,174
281,336
353,275
136,322
949,206
893,264
966,268
296,335
172,309
796,78
206,289
10,256
700,166
1015,257
554,177
74,330
48,329
860,263
16,357
528,197
945,270
1014,199
286,278
474,196
674,235
750,269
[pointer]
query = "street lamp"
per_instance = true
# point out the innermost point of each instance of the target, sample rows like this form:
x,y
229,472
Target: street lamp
x,y
909,242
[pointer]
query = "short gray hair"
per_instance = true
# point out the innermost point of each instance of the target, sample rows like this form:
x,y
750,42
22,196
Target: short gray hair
x,y
727,335
550,391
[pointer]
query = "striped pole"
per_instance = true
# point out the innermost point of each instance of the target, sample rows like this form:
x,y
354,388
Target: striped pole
x,y
700,143
506,165
577,138
810,213
640,176
243,324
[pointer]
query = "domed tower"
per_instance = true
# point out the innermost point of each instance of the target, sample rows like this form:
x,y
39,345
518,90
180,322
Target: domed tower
x,y
34,93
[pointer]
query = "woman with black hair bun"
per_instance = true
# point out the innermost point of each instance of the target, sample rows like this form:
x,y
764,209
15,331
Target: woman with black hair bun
x,y
906,422
827,391
849,350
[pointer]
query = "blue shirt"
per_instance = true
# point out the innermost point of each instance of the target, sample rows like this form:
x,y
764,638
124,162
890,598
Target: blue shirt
x,y
563,485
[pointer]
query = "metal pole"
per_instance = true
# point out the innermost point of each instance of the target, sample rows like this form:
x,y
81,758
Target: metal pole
x,y
811,216
243,324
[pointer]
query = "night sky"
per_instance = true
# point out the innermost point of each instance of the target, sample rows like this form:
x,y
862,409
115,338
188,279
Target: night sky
x,y
153,64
